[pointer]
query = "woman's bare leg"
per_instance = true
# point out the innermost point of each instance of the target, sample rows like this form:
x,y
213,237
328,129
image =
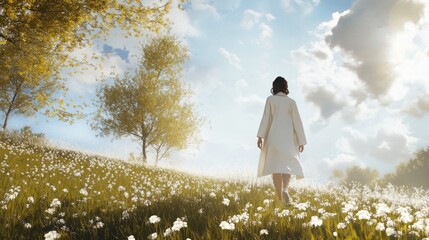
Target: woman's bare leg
x,y
286,180
285,192
277,180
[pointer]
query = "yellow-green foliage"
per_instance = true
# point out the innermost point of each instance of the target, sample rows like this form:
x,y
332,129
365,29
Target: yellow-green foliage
x,y
37,37
80,196
153,105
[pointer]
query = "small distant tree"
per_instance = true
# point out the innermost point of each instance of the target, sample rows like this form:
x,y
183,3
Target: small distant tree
x,y
24,135
152,106
413,172
360,175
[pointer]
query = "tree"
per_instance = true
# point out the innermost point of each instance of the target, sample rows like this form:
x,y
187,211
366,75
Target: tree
x,y
359,175
37,37
413,172
152,106
25,92
35,26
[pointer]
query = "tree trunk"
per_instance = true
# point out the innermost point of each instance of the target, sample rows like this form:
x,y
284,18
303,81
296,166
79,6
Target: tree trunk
x,y
9,110
157,149
144,151
5,119
11,105
159,152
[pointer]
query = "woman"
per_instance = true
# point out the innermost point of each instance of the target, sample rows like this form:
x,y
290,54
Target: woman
x,y
281,138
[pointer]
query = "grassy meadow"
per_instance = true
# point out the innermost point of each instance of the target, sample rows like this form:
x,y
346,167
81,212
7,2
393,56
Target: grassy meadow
x,y
48,193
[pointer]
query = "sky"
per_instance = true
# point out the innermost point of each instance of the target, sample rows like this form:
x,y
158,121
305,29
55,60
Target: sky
x,y
356,68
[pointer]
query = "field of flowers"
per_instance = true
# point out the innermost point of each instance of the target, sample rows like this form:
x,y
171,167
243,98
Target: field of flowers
x,y
48,193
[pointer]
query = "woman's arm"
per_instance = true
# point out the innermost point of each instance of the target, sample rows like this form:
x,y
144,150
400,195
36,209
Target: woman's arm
x,y
265,121
259,143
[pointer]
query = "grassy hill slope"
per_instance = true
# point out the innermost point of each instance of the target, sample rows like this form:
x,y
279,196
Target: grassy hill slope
x,y
47,193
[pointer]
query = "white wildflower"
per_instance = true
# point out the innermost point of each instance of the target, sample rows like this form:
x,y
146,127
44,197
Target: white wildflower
x,y
390,223
83,192
419,225
153,236
52,235
349,207
341,225
406,217
382,209
154,219
263,232
178,224
125,214
302,206
248,205
380,226
131,237
268,201
227,226
50,211
283,213
99,225
390,231
167,232
225,201
363,214
315,221
235,219
301,215
55,203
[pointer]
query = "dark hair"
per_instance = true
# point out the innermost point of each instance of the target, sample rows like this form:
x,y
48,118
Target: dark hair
x,y
280,85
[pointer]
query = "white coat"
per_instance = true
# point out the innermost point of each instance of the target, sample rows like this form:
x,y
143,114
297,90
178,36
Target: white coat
x,y
282,131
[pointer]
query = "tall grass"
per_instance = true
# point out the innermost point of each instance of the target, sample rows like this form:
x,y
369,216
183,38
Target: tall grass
x,y
80,196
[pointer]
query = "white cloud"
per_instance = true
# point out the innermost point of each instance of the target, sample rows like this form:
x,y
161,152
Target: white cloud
x,y
226,4
83,79
251,103
182,25
366,33
250,18
266,32
326,100
233,59
358,71
250,99
307,6
205,82
331,87
287,4
322,168
269,17
391,143
241,84
419,107
204,6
